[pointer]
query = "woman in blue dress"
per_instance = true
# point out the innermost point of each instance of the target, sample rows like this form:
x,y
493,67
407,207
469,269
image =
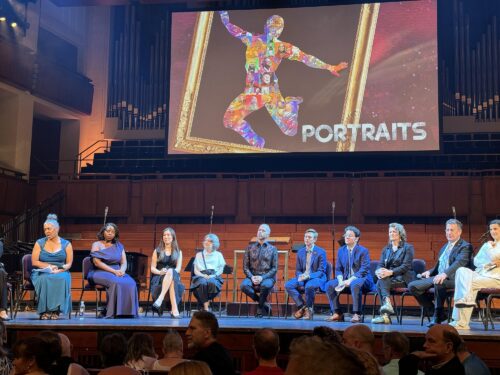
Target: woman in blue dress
x,y
109,266
52,257
166,264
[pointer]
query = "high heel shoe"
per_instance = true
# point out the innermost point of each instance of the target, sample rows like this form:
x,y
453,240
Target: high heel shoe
x,y
178,316
157,309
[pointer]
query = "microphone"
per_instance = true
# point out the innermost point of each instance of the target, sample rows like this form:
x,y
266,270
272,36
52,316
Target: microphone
x,y
454,212
211,217
105,214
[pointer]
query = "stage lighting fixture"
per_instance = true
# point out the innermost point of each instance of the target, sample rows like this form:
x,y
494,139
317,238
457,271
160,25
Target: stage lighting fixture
x,y
13,24
3,19
15,11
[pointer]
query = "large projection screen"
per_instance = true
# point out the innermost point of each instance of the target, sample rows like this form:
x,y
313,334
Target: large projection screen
x,y
347,78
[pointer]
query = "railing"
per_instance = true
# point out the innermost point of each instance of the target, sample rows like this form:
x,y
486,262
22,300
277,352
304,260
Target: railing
x,y
89,151
11,172
27,226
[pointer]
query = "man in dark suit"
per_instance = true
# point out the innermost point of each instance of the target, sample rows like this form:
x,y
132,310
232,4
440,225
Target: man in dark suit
x,y
352,271
310,272
456,253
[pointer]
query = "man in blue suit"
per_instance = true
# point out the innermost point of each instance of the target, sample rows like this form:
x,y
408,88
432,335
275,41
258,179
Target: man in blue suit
x,y
352,271
310,272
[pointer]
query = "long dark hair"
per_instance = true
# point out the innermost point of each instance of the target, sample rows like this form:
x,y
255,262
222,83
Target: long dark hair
x,y
100,235
138,345
160,249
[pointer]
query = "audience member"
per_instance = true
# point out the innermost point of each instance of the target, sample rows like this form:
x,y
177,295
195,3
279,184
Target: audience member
x,y
314,356
191,368
473,365
31,357
140,352
327,334
5,362
440,351
202,336
173,351
260,264
310,275
113,352
59,364
395,346
3,288
266,346
361,340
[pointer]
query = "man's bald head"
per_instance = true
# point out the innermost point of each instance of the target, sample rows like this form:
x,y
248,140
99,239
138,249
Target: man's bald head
x,y
359,336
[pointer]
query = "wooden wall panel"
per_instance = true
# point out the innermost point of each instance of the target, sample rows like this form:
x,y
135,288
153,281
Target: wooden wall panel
x,y
15,195
379,197
159,194
298,198
46,189
116,196
188,197
223,195
328,191
414,196
81,198
491,196
264,197
448,192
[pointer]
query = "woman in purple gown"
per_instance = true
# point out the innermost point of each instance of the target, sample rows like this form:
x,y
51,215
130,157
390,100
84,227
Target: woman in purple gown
x,y
109,265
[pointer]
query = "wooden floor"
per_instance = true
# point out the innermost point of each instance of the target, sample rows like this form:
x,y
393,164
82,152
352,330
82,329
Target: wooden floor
x,y
235,333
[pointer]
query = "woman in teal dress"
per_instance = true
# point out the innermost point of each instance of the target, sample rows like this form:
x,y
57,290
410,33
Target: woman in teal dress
x,y
52,257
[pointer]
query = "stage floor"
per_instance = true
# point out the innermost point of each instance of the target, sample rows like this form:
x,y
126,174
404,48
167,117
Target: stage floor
x,y
411,325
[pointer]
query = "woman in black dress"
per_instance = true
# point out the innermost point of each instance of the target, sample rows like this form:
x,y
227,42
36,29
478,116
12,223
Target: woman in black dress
x,y
166,264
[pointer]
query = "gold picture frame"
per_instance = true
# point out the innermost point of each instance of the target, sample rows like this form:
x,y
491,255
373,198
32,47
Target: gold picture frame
x,y
358,72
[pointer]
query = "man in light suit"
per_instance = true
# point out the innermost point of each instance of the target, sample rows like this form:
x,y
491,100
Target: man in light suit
x,y
352,271
310,272
456,253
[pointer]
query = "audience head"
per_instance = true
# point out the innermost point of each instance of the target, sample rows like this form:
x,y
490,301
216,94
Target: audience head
x,y
360,337
395,345
172,342
263,232
31,355
327,334
53,344
211,241
190,368
113,350
109,233
139,344
397,232
65,345
443,341
310,355
266,344
51,226
351,235
453,230
3,333
202,329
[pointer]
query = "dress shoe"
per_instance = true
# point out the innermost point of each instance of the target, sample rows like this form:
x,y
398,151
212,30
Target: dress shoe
x,y
259,313
437,319
356,318
157,309
458,326
461,303
335,318
299,313
307,314
387,308
382,319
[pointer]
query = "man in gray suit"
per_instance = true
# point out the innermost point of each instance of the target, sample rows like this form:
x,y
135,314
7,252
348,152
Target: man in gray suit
x,y
456,253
